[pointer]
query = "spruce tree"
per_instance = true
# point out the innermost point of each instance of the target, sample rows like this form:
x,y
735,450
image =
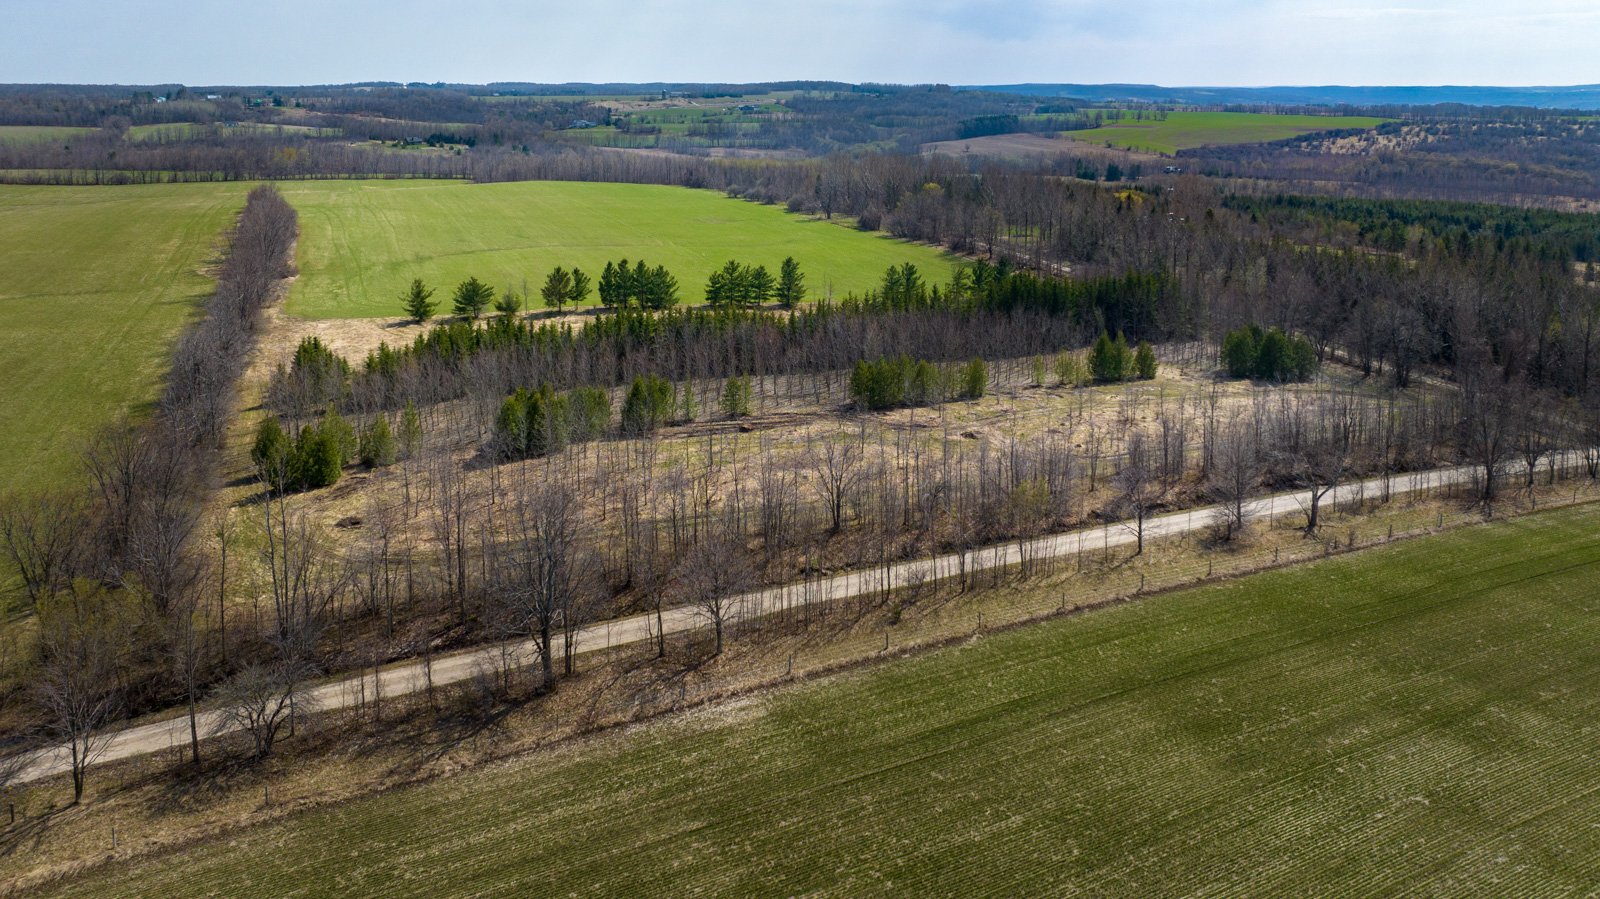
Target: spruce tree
x,y
418,302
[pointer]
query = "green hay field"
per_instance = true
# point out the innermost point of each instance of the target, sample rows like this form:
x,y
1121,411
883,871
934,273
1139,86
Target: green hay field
x,y
1185,130
98,281
1415,720
363,241
32,134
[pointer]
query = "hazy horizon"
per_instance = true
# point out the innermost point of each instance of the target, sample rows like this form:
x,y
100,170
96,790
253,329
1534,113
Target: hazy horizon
x,y
1239,43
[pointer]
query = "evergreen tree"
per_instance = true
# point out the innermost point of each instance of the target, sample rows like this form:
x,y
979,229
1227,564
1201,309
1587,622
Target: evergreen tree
x,y
1106,360
648,405
735,400
580,287
660,289
608,285
472,297
1239,353
410,431
315,462
639,284
1272,357
622,285
974,379
509,304
1144,362
271,452
728,287
761,285
418,302
377,443
511,426
557,288
338,431
687,410
791,283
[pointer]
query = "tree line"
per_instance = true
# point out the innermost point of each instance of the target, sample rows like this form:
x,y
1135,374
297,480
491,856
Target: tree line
x,y
119,573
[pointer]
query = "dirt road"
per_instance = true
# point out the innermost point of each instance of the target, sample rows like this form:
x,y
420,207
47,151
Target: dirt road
x,y
411,677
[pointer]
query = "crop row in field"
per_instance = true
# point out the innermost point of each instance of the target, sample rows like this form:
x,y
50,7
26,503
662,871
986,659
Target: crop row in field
x,y
1417,719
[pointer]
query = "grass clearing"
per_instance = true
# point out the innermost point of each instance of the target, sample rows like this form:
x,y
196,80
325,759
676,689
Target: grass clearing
x,y
363,241
1185,130
1415,719
98,282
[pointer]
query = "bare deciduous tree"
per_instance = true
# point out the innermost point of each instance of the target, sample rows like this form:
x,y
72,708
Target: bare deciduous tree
x,y
836,471
711,576
41,536
262,700
1235,478
543,569
1323,457
1139,486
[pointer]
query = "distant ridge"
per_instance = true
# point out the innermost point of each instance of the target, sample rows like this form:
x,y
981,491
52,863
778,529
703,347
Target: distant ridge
x,y
1579,96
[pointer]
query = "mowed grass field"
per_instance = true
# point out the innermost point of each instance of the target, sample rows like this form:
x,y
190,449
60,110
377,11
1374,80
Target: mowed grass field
x,y
1422,719
1185,130
97,283
362,242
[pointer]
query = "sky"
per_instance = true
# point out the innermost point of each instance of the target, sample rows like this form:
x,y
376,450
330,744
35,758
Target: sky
x,y
1193,43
